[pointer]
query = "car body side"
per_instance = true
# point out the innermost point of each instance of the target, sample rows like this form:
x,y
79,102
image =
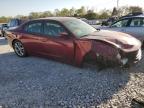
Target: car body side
x,y
70,50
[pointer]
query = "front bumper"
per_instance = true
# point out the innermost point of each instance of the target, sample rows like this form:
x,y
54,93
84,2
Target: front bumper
x,y
130,57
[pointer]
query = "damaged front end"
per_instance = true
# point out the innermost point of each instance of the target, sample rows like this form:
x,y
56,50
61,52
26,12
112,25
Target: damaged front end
x,y
111,55
130,57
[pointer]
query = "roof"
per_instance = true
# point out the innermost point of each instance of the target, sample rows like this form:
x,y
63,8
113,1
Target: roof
x,y
60,19
136,16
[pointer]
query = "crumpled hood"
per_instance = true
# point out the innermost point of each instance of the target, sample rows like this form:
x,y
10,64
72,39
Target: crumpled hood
x,y
118,39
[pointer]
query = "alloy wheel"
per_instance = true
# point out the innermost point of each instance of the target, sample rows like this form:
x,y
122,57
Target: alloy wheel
x,y
19,49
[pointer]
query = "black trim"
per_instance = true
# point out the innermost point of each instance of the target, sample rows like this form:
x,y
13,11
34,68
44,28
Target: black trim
x,y
43,23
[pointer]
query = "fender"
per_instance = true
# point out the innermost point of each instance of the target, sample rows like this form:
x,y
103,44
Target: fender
x,y
82,47
103,48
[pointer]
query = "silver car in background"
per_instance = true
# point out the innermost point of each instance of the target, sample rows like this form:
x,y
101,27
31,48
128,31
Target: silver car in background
x,y
133,25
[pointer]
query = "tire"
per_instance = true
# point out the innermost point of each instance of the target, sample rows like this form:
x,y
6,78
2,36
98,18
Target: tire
x,y
142,45
87,60
100,62
19,49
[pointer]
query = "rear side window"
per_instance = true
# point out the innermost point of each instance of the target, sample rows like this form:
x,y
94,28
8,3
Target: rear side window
x,y
53,29
121,23
34,28
137,22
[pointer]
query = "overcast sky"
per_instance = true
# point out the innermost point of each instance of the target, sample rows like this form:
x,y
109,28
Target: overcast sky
x,y
24,7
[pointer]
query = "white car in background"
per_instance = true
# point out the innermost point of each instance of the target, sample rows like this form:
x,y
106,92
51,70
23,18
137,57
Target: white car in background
x,y
133,25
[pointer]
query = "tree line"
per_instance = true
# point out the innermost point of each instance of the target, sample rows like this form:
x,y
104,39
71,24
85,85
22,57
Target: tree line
x,y
82,12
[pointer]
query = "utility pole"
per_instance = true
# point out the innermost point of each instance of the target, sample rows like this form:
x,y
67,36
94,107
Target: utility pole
x,y
117,4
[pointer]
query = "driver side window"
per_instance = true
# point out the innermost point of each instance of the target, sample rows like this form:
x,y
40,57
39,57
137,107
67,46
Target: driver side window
x,y
121,23
53,29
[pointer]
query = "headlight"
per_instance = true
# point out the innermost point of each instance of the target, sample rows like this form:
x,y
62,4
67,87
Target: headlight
x,y
124,61
118,56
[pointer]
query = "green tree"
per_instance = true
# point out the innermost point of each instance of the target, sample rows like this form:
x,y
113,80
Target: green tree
x,y
64,12
56,12
91,15
104,14
124,10
72,11
4,19
114,12
134,9
46,14
34,15
81,12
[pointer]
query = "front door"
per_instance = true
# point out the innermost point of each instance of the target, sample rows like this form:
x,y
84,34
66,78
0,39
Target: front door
x,y
56,46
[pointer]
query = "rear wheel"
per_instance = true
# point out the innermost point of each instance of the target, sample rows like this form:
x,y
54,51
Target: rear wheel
x,y
19,49
88,61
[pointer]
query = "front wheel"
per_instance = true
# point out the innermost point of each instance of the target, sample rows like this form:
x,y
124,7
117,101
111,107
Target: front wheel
x,y
19,49
142,45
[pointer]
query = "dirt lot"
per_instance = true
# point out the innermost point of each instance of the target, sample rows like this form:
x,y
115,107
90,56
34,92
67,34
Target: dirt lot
x,y
40,83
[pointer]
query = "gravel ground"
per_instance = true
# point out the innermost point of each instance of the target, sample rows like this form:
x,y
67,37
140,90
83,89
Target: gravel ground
x,y
41,83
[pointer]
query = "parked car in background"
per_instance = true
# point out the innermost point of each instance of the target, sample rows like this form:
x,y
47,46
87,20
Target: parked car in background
x,y
73,41
3,27
83,19
133,25
14,23
109,21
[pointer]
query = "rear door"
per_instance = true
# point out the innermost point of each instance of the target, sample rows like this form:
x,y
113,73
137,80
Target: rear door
x,y
32,37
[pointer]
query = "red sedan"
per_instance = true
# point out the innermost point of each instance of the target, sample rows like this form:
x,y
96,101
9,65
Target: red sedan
x,y
73,41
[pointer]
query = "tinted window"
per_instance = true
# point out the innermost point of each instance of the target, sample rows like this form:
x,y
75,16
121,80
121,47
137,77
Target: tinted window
x,y
137,22
53,29
34,28
121,23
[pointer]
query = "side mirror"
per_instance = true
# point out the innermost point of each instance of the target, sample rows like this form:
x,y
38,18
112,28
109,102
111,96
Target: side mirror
x,y
64,35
